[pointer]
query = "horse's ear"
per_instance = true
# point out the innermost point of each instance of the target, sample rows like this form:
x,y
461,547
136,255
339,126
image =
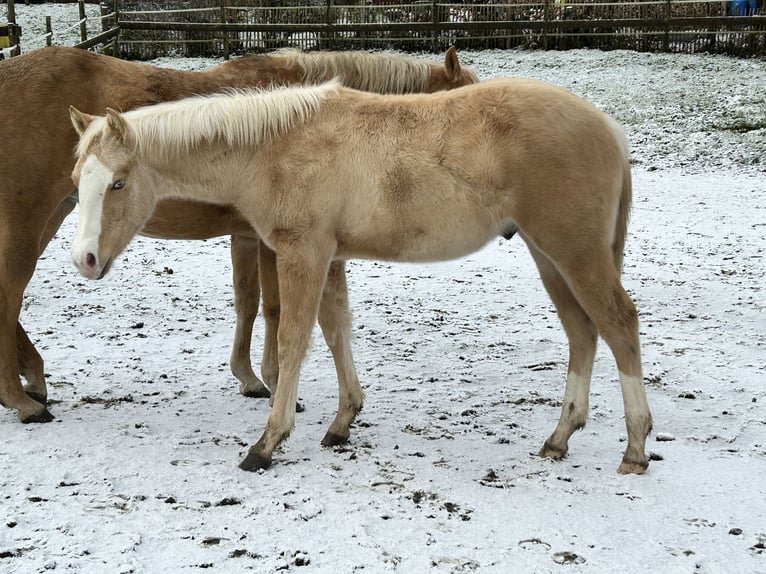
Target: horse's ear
x,y
451,64
118,126
80,120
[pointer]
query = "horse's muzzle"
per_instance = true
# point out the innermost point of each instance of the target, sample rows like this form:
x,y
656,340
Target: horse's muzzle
x,y
105,269
89,267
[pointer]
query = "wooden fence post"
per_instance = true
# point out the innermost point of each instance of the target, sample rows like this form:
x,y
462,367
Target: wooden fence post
x,y
435,31
83,23
546,21
48,31
116,40
225,33
323,45
14,32
666,37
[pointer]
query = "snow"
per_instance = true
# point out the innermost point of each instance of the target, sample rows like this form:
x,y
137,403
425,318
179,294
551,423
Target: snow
x,y
463,365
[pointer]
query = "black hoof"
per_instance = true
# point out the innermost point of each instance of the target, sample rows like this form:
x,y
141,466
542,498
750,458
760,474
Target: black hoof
x,y
262,393
41,417
299,408
332,439
42,399
255,462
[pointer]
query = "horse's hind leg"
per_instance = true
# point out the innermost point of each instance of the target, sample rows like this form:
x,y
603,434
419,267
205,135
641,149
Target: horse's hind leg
x,y
244,259
335,320
267,264
582,336
596,284
267,261
31,366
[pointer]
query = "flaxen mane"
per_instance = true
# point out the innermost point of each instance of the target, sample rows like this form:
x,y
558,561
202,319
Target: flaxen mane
x,y
239,117
380,72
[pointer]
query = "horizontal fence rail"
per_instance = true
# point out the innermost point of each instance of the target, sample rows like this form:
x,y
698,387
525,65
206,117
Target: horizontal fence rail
x,y
212,27
143,29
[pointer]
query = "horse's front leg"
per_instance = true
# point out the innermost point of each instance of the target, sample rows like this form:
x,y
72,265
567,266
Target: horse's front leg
x,y
31,365
302,267
19,254
335,320
267,263
56,219
244,260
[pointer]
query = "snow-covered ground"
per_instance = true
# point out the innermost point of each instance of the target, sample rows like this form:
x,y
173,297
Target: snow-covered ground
x,y
463,366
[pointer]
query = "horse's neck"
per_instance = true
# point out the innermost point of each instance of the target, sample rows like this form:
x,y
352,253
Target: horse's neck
x,y
252,72
191,176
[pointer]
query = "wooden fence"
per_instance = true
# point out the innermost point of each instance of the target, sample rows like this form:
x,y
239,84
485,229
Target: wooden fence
x,y
143,29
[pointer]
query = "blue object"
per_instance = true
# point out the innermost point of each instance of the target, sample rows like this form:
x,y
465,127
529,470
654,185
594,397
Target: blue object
x,y
743,7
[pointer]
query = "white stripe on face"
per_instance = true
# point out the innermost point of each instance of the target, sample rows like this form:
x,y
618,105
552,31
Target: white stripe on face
x,y
94,179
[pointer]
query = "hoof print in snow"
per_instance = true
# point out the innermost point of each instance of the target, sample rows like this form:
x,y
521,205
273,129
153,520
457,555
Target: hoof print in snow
x,y
568,558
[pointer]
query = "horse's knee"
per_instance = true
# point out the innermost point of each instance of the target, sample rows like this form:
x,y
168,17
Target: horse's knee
x,y
271,313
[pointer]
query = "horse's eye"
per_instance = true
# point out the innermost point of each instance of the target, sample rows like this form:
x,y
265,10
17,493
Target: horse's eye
x,y
119,184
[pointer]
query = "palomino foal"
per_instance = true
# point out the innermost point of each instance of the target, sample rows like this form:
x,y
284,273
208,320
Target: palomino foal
x,y
326,172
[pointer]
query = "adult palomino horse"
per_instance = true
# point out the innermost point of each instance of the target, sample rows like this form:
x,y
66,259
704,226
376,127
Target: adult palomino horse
x,y
326,173
35,184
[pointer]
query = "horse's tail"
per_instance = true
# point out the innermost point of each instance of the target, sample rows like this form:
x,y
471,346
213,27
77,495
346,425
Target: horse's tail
x,y
626,197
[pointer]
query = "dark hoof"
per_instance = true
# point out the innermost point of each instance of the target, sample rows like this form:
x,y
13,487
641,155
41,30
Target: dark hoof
x,y
42,399
255,462
332,439
40,417
262,393
299,408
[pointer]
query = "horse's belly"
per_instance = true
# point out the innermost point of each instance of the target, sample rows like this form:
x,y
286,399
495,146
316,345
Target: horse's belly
x,y
443,248
421,244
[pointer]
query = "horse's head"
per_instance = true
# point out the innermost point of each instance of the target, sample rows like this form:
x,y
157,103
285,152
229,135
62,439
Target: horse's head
x,y
451,75
113,204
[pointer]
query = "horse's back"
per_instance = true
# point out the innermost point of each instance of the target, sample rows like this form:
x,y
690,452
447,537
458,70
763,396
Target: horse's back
x,y
516,130
35,91
488,133
37,88
439,175
53,69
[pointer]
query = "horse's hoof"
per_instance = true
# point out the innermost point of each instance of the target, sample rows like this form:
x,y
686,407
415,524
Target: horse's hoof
x,y
39,397
551,452
299,408
255,462
42,416
254,391
628,467
332,439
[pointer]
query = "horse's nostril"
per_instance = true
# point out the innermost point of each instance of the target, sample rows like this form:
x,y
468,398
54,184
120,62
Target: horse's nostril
x,y
90,260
